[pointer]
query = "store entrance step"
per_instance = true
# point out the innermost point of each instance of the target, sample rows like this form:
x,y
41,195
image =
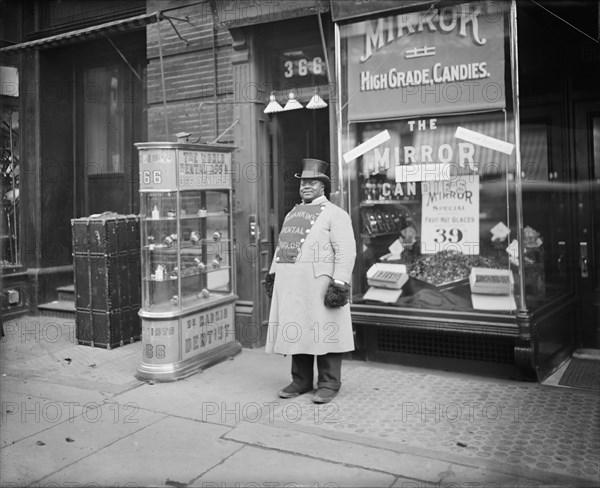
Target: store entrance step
x,y
590,354
58,308
66,293
582,372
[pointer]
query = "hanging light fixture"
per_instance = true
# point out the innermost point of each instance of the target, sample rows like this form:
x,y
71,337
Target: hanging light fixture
x,y
316,102
292,103
273,106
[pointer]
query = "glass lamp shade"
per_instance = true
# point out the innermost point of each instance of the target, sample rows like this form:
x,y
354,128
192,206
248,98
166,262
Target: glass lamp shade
x,y
316,102
292,103
273,106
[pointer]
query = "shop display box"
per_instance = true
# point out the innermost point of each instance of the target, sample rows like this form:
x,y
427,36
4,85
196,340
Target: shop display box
x,y
491,281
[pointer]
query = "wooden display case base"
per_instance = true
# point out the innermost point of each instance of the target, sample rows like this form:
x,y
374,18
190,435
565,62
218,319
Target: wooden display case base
x,y
178,344
179,371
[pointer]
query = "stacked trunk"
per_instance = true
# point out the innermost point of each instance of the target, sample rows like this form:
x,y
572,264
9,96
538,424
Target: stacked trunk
x,y
107,266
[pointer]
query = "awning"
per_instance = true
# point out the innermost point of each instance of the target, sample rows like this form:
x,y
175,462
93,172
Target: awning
x,y
93,32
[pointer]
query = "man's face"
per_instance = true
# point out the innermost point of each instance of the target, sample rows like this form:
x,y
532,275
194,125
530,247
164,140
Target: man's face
x,y
311,189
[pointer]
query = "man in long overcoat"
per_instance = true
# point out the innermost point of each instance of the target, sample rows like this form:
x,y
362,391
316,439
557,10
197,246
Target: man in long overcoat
x,y
310,276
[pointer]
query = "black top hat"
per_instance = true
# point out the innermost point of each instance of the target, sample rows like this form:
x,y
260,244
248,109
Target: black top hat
x,y
314,169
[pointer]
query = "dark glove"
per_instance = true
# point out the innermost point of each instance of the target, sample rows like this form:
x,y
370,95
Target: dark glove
x,y
269,282
337,295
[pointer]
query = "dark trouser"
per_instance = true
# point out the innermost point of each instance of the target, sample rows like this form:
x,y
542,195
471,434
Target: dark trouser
x,y
329,366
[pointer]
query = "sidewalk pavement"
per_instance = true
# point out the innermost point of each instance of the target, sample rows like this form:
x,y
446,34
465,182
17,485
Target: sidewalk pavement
x,y
74,415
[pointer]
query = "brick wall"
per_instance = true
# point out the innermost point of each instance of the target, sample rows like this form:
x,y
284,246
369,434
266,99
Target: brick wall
x,y
192,84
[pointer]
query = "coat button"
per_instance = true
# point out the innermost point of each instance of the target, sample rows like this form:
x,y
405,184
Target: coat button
x,y
277,258
302,240
307,231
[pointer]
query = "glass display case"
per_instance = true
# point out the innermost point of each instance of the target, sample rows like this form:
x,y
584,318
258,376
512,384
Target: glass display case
x,y
432,194
454,165
435,216
188,281
431,176
186,248
10,178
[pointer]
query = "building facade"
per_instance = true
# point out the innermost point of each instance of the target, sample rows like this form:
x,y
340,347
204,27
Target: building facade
x,y
463,139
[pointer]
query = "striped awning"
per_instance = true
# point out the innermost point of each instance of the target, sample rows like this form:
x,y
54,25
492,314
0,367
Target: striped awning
x,y
117,26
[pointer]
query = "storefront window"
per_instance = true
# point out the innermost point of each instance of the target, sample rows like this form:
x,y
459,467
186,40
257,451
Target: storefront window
x,y
545,253
549,184
10,168
429,149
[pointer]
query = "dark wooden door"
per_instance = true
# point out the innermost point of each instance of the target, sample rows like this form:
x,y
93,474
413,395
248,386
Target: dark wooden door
x,y
109,121
294,135
587,159
298,134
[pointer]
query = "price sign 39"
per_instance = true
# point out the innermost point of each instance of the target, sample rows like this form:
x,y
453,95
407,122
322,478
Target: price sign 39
x,y
450,215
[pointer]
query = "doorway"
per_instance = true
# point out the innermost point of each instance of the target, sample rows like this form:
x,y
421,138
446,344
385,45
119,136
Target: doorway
x,y
296,135
293,135
587,160
109,119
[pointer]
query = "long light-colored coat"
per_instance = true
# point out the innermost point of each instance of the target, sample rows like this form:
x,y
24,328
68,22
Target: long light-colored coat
x,y
299,321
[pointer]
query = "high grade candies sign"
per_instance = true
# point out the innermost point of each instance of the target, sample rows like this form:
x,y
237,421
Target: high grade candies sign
x,y
438,61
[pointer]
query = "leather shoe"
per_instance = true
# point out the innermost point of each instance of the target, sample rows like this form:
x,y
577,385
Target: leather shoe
x,y
324,395
292,391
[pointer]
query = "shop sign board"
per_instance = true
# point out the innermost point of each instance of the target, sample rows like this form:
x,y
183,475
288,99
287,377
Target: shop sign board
x,y
300,66
206,330
347,9
236,13
160,168
431,152
10,81
160,341
180,338
439,61
450,215
204,169
448,168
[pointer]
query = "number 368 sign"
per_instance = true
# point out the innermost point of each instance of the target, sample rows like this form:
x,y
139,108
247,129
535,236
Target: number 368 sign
x,y
450,215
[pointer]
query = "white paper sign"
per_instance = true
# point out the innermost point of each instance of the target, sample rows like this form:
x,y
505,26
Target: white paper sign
x,y
450,215
483,140
499,232
369,144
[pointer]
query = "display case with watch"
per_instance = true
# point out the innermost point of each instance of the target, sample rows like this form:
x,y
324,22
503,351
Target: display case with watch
x,y
188,281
